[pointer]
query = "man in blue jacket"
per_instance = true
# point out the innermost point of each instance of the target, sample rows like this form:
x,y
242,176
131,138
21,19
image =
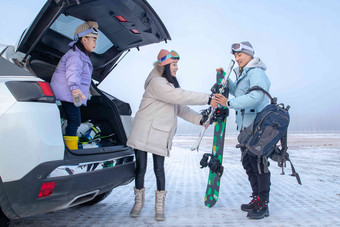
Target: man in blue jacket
x,y
250,73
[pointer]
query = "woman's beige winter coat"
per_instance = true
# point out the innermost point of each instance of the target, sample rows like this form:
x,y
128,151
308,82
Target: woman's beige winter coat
x,y
155,122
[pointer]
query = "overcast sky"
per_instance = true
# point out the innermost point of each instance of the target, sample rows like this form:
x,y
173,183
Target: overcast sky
x,y
298,40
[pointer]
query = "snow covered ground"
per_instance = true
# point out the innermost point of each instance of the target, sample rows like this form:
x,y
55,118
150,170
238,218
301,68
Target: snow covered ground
x,y
316,202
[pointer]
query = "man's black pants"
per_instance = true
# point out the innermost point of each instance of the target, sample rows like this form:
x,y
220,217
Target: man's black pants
x,y
259,182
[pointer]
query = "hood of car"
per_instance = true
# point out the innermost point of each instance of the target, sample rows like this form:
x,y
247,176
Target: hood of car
x,y
123,24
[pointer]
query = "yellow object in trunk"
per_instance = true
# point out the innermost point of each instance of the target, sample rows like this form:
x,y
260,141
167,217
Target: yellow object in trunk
x,y
71,142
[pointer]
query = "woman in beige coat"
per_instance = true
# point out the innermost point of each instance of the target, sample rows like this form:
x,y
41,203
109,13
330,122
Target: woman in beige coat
x,y
155,124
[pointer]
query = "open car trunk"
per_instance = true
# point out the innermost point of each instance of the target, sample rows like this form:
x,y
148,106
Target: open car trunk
x,y
105,113
123,24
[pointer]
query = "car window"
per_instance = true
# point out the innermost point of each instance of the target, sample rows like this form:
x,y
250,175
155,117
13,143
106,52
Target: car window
x,y
66,25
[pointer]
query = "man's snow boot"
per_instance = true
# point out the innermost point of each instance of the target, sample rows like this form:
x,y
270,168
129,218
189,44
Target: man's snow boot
x,y
260,209
159,205
249,207
139,202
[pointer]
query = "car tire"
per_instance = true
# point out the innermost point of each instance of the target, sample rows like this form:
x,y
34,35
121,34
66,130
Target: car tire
x,y
4,221
97,199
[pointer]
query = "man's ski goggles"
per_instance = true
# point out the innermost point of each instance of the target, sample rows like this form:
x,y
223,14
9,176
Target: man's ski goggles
x,y
173,55
239,46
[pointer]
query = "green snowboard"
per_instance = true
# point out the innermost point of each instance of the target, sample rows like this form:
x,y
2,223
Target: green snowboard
x,y
215,163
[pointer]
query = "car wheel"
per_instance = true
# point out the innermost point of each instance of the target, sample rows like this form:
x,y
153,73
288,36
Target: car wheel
x,y
97,199
4,221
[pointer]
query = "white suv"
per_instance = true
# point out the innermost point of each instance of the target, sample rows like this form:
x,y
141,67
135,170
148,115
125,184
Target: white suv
x,y
38,173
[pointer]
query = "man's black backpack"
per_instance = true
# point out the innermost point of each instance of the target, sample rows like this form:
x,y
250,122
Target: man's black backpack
x,y
261,137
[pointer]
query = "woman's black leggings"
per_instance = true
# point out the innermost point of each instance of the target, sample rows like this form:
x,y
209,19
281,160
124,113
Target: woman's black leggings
x,y
158,168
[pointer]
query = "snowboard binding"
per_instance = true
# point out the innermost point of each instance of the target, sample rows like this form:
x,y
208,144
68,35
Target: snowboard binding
x,y
214,164
221,113
205,115
220,89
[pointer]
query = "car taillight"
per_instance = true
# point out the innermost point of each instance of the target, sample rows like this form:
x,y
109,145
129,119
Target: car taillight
x,y
31,91
46,88
46,189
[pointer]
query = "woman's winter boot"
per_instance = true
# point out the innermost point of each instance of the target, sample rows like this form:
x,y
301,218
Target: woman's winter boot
x,y
139,202
159,205
260,209
250,206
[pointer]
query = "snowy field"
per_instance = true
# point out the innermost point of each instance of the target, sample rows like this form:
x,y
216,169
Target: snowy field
x,y
316,202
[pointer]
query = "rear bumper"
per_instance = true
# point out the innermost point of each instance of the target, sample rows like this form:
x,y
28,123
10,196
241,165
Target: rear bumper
x,y
20,198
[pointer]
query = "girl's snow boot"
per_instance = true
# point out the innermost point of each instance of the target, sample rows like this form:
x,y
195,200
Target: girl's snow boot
x,y
139,202
159,205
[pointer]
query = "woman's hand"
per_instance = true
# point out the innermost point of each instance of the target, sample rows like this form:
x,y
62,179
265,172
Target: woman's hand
x,y
213,102
219,70
205,125
220,99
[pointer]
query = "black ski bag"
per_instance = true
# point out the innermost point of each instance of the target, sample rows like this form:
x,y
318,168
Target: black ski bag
x,y
261,137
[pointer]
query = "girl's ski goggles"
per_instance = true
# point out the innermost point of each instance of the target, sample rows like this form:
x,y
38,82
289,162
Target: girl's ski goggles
x,y
239,46
91,30
173,55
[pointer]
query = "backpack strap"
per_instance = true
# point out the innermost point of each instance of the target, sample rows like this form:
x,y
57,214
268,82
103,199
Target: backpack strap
x,y
294,173
283,153
243,151
258,164
242,114
285,157
264,160
258,88
265,164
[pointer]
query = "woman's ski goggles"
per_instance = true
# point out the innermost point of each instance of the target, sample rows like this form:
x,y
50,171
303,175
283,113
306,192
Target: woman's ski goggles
x,y
239,46
173,55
